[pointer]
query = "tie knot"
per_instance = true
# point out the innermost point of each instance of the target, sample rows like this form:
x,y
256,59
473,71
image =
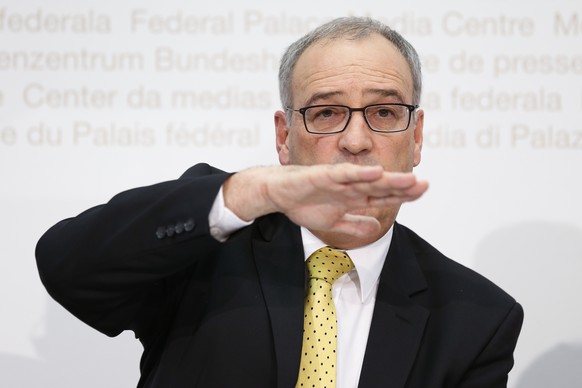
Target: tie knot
x,y
328,264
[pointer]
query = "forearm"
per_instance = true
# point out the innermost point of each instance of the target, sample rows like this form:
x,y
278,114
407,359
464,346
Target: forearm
x,y
107,259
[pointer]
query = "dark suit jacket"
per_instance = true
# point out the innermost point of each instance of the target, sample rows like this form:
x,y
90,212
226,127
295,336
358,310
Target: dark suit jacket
x,y
213,314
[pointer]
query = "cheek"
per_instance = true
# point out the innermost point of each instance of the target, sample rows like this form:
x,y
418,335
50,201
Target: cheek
x,y
397,153
297,145
307,149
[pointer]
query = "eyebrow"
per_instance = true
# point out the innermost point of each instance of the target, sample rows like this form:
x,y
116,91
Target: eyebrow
x,y
322,96
380,92
386,93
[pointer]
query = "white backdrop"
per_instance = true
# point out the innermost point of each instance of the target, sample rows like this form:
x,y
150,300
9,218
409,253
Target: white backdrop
x,y
100,97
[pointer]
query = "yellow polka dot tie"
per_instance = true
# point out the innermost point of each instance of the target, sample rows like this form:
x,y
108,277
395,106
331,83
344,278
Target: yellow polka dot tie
x,y
318,357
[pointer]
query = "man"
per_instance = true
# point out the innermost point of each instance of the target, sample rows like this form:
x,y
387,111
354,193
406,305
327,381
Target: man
x,y
208,270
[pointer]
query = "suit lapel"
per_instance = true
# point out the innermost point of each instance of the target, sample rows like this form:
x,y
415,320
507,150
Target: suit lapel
x,y
398,323
280,264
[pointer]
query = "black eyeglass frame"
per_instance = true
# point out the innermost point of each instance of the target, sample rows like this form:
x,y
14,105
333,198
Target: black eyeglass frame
x,y
411,108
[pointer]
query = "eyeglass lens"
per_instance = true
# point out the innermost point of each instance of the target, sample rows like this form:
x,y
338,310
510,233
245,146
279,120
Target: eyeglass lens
x,y
330,118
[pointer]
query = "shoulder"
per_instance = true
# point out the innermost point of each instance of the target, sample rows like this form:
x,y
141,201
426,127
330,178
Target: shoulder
x,y
472,324
447,279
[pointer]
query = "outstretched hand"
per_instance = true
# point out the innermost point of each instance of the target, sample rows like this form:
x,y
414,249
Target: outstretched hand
x,y
321,197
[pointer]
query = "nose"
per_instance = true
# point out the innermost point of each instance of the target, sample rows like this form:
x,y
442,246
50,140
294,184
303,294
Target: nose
x,y
357,137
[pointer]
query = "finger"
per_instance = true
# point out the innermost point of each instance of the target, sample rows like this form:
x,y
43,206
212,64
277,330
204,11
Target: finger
x,y
399,196
399,180
419,189
391,184
351,173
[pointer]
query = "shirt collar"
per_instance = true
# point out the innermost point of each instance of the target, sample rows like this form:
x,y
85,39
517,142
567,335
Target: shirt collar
x,y
368,260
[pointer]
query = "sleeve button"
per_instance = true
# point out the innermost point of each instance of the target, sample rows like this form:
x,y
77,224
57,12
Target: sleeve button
x,y
161,232
189,225
215,232
170,230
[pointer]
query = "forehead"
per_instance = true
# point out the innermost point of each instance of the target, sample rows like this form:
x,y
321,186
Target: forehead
x,y
352,70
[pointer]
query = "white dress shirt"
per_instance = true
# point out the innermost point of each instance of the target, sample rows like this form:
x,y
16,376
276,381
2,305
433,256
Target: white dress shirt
x,y
354,294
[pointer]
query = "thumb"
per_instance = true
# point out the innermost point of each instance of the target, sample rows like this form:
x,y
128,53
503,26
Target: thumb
x,y
356,225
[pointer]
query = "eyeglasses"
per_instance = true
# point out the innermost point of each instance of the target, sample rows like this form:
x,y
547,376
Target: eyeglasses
x,y
327,119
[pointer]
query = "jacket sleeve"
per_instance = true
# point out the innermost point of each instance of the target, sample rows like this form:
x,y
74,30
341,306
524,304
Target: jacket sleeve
x,y
110,263
492,366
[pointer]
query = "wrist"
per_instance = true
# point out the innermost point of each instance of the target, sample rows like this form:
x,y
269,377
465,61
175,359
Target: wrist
x,y
246,193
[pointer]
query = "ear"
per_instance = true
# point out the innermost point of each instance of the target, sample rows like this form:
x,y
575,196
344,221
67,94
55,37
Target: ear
x,y
282,136
418,128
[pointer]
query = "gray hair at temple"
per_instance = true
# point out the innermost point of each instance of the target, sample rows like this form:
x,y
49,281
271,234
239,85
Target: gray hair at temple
x,y
354,28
